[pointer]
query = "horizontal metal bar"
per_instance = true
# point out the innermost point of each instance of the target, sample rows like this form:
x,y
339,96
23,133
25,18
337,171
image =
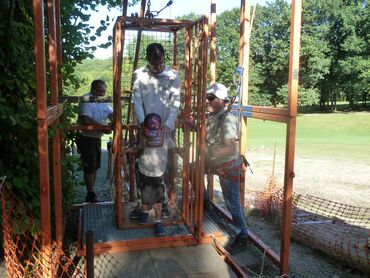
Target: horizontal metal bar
x,y
53,113
269,117
140,244
86,99
89,127
158,21
51,110
263,110
314,222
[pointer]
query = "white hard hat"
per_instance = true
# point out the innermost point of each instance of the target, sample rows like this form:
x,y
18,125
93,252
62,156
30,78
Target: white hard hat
x,y
218,90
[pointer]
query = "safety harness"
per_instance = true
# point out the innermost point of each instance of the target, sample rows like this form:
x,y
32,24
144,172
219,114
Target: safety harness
x,y
237,165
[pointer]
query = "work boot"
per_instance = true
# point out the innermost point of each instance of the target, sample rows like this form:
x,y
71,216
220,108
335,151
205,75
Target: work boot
x,y
238,245
91,197
207,207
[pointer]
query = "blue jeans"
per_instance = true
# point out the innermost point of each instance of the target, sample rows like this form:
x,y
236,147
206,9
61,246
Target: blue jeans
x,y
231,194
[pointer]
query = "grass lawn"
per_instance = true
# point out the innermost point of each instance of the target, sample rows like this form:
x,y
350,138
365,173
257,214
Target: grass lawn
x,y
346,135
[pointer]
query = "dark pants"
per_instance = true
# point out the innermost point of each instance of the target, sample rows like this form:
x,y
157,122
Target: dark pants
x,y
90,149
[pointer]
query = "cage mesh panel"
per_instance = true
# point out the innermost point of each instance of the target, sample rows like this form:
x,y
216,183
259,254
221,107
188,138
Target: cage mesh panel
x,y
147,37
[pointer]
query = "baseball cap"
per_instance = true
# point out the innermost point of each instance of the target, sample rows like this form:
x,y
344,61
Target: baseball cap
x,y
218,90
152,125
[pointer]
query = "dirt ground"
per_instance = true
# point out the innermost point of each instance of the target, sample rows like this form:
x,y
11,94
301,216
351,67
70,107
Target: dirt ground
x,y
346,182
326,178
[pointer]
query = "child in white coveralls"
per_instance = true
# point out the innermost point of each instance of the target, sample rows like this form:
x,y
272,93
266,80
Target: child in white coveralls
x,y
152,167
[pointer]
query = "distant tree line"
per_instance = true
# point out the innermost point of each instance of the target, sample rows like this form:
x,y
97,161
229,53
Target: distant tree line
x,y
334,59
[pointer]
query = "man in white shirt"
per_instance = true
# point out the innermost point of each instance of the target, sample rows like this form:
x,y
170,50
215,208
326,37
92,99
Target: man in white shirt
x,y
157,90
89,142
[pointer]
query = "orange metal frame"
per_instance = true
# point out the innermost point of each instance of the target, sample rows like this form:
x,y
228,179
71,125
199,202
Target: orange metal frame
x,y
287,116
49,115
139,24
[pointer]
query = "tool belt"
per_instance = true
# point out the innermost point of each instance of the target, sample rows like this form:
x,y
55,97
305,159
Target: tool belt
x,y
228,169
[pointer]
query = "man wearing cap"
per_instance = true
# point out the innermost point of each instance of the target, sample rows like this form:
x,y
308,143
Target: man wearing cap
x,y
222,156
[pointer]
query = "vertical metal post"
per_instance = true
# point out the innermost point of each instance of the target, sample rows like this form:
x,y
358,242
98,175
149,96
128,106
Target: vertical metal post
x,y
187,111
89,236
117,114
124,7
213,42
53,63
212,75
295,35
202,92
244,63
174,64
59,45
42,133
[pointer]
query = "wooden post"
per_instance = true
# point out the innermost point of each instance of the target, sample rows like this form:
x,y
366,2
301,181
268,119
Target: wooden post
x,y
244,63
213,17
174,64
187,111
290,135
202,133
53,63
89,237
42,134
117,116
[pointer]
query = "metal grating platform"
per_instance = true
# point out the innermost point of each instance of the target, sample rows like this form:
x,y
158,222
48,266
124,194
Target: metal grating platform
x,y
210,227
100,218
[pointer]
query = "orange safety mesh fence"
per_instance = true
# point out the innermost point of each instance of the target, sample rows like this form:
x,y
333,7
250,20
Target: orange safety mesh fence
x,y
23,251
339,230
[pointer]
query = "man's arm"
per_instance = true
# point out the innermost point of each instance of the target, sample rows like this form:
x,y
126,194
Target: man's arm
x,y
175,103
137,100
227,149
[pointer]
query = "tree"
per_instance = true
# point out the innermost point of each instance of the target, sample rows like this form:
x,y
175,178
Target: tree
x,y
346,49
227,51
270,49
18,157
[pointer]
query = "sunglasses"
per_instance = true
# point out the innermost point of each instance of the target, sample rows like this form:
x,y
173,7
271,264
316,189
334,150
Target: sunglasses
x,y
211,98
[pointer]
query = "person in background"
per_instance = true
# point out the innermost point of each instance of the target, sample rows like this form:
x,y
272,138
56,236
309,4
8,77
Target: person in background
x,y
152,150
222,158
156,89
89,142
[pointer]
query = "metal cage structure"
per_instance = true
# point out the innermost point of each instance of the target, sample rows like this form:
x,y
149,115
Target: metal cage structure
x,y
191,147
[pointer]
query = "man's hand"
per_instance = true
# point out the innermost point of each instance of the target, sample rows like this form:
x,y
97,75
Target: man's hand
x,y
165,131
190,121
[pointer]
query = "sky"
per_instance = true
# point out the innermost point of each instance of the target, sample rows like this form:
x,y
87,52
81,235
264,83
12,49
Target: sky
x,y
178,8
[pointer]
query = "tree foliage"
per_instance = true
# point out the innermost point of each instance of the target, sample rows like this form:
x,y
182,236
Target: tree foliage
x,y
334,57
19,156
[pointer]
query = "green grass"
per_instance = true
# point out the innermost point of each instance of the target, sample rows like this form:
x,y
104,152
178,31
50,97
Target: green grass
x,y
342,135
346,135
